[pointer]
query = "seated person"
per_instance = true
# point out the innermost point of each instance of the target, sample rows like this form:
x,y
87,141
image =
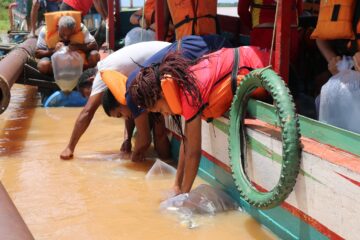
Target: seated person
x,y
194,99
123,61
66,35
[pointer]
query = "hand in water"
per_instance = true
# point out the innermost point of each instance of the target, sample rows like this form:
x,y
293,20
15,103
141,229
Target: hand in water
x,y
137,157
67,154
126,146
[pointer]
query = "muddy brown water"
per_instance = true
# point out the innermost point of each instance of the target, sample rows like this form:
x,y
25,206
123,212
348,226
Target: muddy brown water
x,y
97,195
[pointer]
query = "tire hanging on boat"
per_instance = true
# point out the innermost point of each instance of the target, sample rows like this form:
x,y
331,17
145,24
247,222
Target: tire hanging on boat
x,y
290,133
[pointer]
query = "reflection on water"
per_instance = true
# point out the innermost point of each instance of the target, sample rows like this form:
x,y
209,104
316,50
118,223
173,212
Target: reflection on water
x,y
97,195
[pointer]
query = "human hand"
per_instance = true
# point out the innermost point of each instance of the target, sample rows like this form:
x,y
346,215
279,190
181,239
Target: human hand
x,y
142,23
137,157
59,45
126,146
356,59
67,154
332,65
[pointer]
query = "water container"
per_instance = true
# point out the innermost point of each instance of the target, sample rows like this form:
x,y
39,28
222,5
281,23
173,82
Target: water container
x,y
340,98
67,66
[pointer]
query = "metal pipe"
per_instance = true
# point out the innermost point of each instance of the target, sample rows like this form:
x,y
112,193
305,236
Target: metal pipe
x,y
12,226
11,68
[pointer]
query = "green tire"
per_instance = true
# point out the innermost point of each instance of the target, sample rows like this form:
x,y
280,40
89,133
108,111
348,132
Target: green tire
x,y
290,134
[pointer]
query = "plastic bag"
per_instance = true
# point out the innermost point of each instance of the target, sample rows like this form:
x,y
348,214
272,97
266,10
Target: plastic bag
x,y
138,34
160,169
202,200
340,98
67,66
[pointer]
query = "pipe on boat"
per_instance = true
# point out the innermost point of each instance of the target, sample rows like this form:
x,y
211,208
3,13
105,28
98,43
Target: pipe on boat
x,y
12,226
11,67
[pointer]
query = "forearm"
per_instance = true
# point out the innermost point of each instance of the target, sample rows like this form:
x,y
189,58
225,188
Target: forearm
x,y
142,143
82,123
86,47
326,49
40,53
129,129
180,167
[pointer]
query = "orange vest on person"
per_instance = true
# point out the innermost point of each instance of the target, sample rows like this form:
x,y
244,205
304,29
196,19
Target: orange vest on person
x,y
193,17
335,20
222,90
52,34
149,12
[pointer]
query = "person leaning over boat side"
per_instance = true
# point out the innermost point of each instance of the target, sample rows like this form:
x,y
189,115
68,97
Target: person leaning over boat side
x,y
190,47
66,30
193,90
122,61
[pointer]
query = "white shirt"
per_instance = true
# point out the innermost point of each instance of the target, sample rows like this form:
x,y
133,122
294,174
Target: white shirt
x,y
41,43
124,60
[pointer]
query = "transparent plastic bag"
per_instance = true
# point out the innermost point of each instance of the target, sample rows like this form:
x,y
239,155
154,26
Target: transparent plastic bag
x,y
340,98
138,34
67,67
160,169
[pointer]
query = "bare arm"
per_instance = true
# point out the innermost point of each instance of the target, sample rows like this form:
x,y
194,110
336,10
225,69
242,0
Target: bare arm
x,y
101,8
129,129
325,49
192,153
40,53
86,47
82,123
143,138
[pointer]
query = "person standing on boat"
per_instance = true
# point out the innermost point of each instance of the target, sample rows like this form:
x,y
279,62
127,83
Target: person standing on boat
x,y
195,90
48,5
84,6
67,32
123,61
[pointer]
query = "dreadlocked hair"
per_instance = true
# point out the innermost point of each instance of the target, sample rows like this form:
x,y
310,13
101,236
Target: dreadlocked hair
x,y
146,89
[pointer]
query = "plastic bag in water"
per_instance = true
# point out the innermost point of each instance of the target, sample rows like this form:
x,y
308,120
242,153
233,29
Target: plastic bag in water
x,y
139,34
160,169
202,200
67,66
340,98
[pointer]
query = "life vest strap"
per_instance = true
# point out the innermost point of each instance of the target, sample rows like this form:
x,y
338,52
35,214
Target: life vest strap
x,y
264,6
189,19
235,70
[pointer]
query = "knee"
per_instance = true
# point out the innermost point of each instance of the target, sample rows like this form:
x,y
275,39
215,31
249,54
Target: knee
x,y
93,59
44,66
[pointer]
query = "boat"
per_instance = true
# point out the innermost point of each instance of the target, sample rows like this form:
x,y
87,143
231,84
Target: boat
x,y
324,203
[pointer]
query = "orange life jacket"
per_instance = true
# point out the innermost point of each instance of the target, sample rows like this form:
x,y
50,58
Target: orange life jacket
x,y
149,12
116,82
193,17
335,20
52,34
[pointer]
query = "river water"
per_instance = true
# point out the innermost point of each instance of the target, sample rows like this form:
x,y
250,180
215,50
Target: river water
x,y
97,195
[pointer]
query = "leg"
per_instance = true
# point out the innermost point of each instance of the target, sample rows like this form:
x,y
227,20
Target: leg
x,y
44,66
161,141
34,15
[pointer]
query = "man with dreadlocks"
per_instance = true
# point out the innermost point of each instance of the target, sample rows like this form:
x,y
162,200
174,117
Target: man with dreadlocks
x,y
191,47
195,90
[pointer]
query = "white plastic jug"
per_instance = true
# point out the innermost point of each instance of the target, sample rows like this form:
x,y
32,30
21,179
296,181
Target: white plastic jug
x,y
67,66
340,98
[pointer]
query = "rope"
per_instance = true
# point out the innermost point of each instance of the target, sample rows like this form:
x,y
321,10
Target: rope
x,y
274,31
142,20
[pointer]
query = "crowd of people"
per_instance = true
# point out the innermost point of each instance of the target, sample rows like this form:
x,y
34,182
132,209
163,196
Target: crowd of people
x,y
146,82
